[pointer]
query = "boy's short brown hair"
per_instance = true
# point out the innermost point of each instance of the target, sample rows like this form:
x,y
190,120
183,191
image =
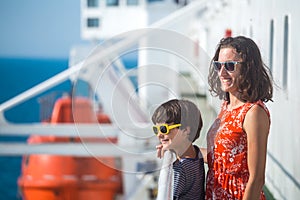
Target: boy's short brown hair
x,y
182,112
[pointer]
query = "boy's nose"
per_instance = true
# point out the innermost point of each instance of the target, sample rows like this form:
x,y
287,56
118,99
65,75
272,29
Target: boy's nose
x,y
160,135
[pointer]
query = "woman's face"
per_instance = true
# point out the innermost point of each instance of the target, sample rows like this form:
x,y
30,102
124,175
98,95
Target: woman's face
x,y
229,79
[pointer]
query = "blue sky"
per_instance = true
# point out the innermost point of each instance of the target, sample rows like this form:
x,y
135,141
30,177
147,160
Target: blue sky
x,y
39,28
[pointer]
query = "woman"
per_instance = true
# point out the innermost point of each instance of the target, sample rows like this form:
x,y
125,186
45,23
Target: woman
x,y
237,140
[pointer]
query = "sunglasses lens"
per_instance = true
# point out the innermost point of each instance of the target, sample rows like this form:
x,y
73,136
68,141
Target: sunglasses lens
x,y
229,66
163,129
155,130
217,66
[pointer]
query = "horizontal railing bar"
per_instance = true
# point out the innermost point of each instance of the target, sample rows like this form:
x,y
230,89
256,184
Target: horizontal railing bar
x,y
74,130
76,149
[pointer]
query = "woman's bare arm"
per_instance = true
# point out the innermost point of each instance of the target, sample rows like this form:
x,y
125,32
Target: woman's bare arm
x,y
256,125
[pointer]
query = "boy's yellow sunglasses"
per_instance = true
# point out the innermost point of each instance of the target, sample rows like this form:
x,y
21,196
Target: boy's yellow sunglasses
x,y
164,128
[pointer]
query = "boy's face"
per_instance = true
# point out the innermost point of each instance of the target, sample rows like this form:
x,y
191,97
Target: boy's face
x,y
171,140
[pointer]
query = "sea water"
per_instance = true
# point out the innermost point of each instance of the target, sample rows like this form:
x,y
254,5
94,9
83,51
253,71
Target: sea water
x,y
18,75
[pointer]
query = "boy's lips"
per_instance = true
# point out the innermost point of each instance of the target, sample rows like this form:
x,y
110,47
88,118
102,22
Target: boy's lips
x,y
164,141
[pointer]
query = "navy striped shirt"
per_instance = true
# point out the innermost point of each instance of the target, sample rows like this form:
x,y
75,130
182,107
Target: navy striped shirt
x,y
189,178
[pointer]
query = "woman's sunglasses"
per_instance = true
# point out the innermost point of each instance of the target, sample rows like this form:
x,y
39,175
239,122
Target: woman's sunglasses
x,y
229,65
164,128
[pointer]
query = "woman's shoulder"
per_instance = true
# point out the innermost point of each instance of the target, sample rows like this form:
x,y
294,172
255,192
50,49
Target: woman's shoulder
x,y
258,112
258,116
259,107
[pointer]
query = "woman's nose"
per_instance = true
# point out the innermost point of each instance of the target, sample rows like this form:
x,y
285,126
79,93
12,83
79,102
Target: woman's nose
x,y
222,70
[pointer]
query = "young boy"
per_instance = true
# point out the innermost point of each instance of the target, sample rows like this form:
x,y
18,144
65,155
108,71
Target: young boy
x,y
177,126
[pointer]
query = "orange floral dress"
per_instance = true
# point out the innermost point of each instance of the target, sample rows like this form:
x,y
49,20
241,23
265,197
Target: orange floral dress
x,y
228,172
